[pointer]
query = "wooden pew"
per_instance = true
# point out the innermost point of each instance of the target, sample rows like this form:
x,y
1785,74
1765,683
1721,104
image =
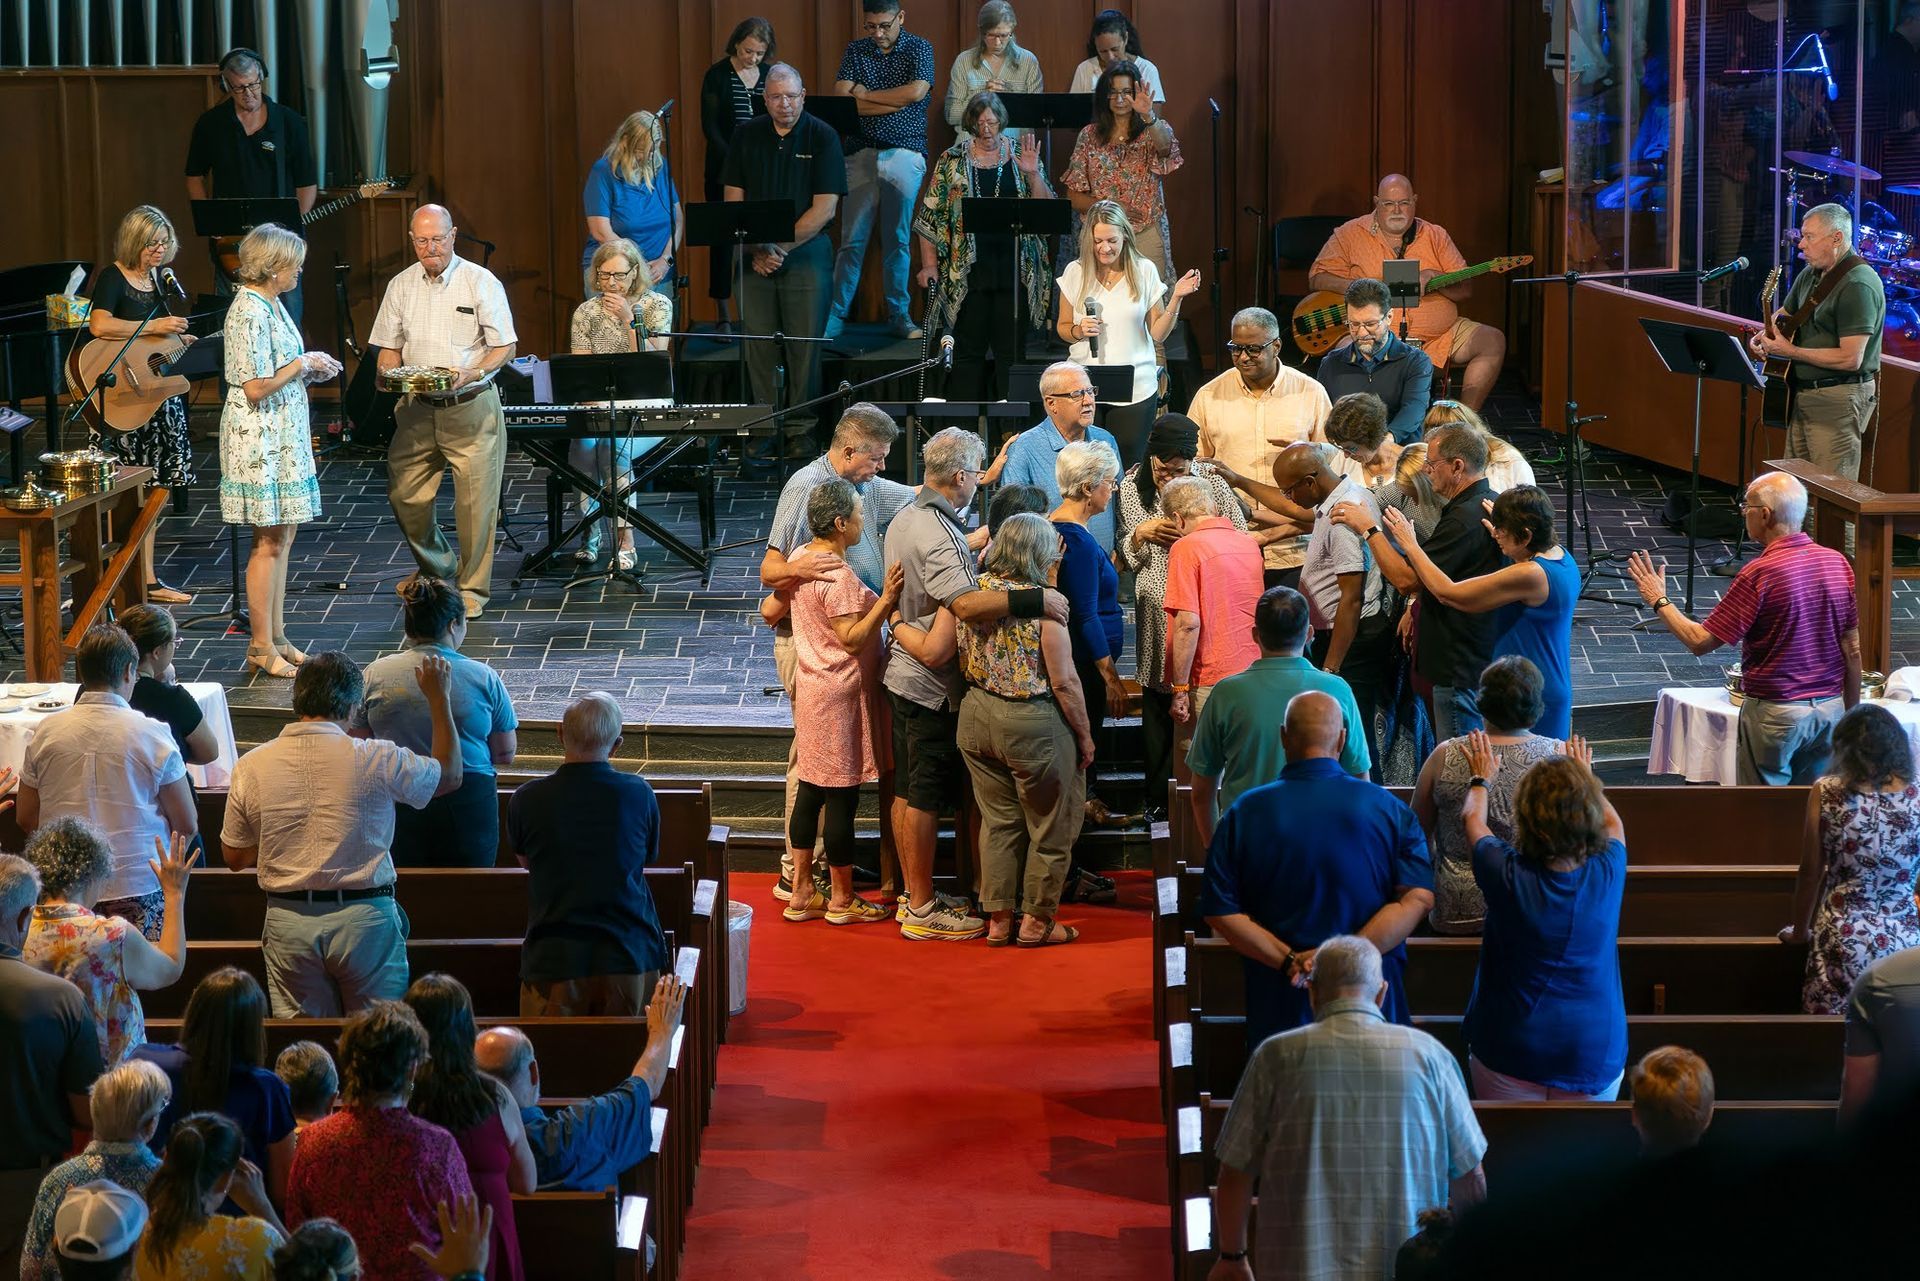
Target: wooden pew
x,y
567,1236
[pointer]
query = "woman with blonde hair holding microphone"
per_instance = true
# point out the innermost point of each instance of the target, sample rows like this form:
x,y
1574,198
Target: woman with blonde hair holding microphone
x,y
267,477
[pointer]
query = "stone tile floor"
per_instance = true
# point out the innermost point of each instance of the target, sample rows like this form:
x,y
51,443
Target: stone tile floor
x,y
689,649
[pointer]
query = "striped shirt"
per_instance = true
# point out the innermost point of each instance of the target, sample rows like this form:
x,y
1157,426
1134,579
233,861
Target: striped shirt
x,y
1789,609
1353,1126
449,320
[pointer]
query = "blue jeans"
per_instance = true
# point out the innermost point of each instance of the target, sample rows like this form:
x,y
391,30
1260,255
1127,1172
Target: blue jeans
x,y
1785,742
1456,710
886,181
327,960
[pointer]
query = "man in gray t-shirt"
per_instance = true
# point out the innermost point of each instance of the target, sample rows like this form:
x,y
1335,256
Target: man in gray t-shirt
x,y
1883,1031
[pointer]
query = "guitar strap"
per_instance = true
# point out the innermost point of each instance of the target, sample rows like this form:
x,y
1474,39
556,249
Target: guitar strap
x,y
1828,283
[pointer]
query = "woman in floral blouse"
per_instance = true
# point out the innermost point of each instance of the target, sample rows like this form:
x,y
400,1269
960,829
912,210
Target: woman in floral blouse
x,y
186,1240
103,956
126,1103
1122,156
621,303
975,273
1024,732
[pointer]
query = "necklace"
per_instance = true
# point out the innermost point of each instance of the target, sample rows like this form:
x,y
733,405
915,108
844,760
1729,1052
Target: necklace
x,y
999,167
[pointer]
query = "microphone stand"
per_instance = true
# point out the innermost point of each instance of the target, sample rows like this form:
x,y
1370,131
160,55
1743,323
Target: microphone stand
x,y
1220,251
779,374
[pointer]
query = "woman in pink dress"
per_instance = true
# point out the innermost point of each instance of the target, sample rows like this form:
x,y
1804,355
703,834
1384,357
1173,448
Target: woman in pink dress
x,y
839,712
451,1092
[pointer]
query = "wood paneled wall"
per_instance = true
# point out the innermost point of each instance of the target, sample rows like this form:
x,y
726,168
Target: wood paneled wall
x,y
501,105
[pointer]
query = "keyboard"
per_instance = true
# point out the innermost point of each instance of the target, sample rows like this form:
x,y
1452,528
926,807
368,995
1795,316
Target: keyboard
x,y
641,417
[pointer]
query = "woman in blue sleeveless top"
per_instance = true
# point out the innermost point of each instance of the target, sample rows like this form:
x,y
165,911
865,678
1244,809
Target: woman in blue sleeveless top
x,y
1534,595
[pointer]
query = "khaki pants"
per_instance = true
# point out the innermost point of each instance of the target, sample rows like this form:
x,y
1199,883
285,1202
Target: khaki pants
x,y
787,665
622,996
1031,795
1827,426
471,440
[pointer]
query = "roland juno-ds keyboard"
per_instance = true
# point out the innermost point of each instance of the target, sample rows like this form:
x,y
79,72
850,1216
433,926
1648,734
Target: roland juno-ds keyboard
x,y
574,422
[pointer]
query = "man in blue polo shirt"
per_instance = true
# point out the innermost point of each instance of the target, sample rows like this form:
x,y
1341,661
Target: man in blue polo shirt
x,y
1067,392
1378,360
1237,743
1316,854
888,74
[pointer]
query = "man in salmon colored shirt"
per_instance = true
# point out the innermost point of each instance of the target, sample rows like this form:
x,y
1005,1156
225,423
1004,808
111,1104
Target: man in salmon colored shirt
x,y
1215,574
1361,246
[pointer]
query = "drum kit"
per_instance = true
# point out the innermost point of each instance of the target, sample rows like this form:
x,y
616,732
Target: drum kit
x,y
1812,178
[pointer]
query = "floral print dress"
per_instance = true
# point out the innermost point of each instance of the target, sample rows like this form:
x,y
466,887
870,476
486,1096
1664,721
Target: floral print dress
x,y
266,450
89,952
1865,910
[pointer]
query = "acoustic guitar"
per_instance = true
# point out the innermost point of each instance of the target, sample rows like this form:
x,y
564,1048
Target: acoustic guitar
x,y
1776,400
226,249
143,377
1320,321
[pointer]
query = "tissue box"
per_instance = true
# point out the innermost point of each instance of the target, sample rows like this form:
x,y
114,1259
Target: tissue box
x,y
67,311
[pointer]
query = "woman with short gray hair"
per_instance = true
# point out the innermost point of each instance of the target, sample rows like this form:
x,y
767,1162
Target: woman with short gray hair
x,y
1024,733
1087,473
126,1103
105,957
837,695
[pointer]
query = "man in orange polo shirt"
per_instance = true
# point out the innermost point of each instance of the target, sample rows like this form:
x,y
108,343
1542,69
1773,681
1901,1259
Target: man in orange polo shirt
x,y
1215,575
1361,246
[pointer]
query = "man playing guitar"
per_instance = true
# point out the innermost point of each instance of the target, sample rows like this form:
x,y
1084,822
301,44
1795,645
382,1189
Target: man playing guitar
x,y
1829,328
1360,246
251,146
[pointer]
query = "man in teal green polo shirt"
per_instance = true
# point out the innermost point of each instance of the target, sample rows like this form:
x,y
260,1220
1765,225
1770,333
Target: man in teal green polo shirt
x,y
1236,745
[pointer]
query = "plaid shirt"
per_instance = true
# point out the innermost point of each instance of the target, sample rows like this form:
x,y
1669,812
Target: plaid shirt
x,y
450,320
1352,1125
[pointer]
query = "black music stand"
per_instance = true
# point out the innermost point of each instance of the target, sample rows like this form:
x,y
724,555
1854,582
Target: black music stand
x,y
840,112
1046,112
1402,278
1016,216
733,223
624,375
1702,354
1112,385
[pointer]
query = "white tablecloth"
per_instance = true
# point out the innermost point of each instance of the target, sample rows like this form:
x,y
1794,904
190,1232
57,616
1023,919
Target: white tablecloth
x,y
1695,733
17,730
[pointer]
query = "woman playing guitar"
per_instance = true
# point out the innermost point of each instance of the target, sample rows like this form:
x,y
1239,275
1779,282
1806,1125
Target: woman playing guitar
x,y
125,292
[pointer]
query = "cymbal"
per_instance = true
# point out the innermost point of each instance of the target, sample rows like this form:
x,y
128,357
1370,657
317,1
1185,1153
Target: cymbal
x,y
1903,189
1830,164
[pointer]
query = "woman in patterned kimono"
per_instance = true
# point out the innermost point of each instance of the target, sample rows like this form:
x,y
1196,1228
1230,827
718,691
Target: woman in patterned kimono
x,y
267,477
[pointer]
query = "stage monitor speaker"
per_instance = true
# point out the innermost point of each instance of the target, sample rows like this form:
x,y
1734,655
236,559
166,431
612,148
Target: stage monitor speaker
x,y
1707,522
369,409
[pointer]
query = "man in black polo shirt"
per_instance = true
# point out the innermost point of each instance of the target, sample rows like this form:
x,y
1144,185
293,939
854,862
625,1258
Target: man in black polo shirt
x,y
1454,647
787,155
250,145
1377,360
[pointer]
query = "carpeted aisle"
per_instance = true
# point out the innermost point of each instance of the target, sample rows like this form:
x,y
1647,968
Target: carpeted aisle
x,y
889,1109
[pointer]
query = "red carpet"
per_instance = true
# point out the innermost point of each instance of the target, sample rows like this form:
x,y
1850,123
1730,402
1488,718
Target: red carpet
x,y
937,1110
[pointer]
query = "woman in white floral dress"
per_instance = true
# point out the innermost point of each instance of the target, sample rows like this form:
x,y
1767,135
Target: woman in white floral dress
x,y
266,452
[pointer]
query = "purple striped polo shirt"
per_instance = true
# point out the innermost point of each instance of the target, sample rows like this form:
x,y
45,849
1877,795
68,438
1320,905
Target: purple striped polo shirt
x,y
1788,608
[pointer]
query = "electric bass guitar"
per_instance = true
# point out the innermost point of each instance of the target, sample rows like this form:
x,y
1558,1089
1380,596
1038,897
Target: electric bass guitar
x,y
1320,321
226,249
1775,401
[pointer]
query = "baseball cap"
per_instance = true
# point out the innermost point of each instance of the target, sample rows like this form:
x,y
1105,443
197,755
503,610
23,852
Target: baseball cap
x,y
98,1220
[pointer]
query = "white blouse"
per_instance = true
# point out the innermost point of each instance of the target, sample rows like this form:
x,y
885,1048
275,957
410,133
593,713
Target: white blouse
x,y
1124,339
1087,75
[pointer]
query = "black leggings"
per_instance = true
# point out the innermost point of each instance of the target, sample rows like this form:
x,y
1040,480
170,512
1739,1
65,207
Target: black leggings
x,y
803,827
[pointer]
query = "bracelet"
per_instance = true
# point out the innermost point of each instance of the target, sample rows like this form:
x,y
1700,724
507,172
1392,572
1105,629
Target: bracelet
x,y
1183,689
1662,603
1478,781
1233,1256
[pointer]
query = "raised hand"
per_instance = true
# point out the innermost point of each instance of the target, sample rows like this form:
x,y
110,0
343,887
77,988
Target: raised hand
x,y
1481,758
1579,749
1189,283
668,1004
1142,98
174,865
464,1233
1028,156
1651,579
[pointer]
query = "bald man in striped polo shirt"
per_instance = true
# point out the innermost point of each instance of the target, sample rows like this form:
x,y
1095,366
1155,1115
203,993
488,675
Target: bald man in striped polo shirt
x,y
1793,611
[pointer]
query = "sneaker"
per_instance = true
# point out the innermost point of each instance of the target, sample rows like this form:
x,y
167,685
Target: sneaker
x,y
907,329
859,911
813,909
783,888
941,924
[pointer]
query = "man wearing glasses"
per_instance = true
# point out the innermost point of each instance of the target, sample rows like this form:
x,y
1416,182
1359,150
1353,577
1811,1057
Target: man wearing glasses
x,y
445,311
1248,415
250,145
1375,359
1067,393
1360,248
889,75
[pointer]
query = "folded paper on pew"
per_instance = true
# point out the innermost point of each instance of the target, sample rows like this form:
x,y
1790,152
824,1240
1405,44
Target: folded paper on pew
x,y
673,1055
703,896
1180,1045
659,1123
1168,888
687,964
630,1231
1199,1223
1176,967
1189,1131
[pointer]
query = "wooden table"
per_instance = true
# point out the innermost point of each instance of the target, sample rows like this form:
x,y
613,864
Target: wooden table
x,y
1832,504
104,532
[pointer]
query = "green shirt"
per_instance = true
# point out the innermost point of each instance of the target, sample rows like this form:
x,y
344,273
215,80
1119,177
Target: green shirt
x,y
1857,306
1238,737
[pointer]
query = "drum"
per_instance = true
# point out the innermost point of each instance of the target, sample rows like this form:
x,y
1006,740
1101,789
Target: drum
x,y
1881,239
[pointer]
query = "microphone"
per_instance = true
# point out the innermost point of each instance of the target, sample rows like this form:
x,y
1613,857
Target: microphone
x,y
173,283
1826,69
665,111
946,351
1092,308
1725,269
1214,108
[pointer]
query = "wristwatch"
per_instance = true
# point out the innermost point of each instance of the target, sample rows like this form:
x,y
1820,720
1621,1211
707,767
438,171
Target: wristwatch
x,y
1371,531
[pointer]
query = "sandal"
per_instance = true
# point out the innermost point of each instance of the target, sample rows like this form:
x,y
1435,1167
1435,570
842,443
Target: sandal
x,y
284,647
162,594
270,662
1000,940
1057,935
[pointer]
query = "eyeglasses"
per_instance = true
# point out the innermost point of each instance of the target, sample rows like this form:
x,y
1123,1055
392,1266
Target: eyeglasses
x,y
881,28
431,242
1394,204
1366,326
160,242
1079,393
1114,95
251,86
1236,349
786,97
610,275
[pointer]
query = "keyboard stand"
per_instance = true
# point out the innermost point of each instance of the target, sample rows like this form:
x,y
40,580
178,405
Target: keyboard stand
x,y
564,478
